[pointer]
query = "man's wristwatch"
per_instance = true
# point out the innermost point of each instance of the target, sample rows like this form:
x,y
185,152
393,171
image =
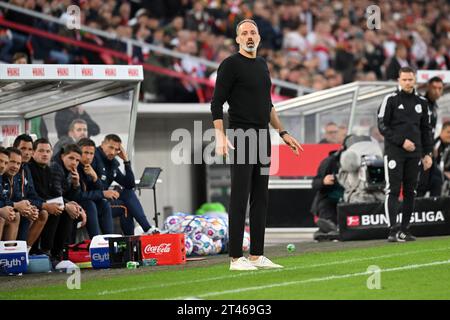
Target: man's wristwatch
x,y
282,133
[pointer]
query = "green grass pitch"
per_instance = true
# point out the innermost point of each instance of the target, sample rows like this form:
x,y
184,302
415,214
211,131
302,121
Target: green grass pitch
x,y
415,270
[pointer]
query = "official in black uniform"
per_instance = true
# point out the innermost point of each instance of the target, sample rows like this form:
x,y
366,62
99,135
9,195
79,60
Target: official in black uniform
x,y
404,121
243,80
432,180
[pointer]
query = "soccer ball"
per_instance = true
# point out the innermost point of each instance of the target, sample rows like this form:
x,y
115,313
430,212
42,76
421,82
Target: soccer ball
x,y
203,245
246,241
188,244
173,223
191,225
217,229
218,246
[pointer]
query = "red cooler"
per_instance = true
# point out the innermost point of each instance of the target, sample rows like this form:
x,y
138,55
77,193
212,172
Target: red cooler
x,y
165,248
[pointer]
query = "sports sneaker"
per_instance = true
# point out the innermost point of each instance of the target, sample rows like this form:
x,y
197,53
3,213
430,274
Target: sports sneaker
x,y
264,263
152,230
403,236
326,225
392,236
242,264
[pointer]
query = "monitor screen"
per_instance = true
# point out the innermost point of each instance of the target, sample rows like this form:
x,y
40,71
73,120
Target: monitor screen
x,y
149,177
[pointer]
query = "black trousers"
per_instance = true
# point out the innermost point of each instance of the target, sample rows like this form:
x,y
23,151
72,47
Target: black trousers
x,y
430,180
250,163
400,170
56,233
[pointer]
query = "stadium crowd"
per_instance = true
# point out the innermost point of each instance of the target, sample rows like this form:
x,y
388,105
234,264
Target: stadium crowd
x,y
47,194
315,44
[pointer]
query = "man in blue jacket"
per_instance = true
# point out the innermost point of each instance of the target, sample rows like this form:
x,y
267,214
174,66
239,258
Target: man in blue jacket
x,y
94,198
18,192
124,203
29,230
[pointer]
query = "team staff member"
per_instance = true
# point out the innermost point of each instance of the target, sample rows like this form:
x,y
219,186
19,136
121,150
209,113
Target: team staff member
x,y
404,122
243,80
432,180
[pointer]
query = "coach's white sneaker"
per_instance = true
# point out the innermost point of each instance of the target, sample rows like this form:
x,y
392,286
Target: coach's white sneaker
x,y
264,263
242,264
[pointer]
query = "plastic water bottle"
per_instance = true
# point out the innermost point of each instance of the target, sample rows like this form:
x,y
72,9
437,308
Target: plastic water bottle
x,y
132,264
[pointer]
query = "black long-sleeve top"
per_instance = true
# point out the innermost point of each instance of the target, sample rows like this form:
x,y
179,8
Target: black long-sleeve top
x,y
245,83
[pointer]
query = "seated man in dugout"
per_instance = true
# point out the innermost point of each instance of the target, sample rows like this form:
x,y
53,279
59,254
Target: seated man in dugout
x,y
9,218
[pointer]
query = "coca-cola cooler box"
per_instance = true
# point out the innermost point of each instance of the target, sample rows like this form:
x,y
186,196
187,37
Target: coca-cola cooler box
x,y
167,248
124,249
13,257
99,251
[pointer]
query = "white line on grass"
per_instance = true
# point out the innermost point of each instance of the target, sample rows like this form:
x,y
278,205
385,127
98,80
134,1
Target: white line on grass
x,y
328,278
253,273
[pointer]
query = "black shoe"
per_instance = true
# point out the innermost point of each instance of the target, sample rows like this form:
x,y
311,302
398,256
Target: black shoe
x,y
392,236
403,236
326,225
320,236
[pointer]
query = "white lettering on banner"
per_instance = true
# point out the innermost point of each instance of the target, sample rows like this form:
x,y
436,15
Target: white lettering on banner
x,y
100,257
416,217
162,248
12,263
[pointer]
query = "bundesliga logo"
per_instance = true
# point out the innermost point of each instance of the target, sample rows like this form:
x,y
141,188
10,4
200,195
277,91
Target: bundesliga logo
x,y
162,248
381,219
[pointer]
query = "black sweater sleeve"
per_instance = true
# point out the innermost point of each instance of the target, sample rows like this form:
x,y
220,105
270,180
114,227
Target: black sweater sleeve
x,y
384,122
224,83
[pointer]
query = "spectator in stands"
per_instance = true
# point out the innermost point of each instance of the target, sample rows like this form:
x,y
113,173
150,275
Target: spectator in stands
x,y
342,133
331,133
20,58
127,205
328,193
66,184
78,129
28,232
9,218
43,181
64,118
94,198
397,62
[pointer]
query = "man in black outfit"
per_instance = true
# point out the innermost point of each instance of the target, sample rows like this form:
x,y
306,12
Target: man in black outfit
x,y
404,121
243,80
432,180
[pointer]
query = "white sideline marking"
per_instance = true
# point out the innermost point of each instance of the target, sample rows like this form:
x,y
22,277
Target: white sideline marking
x,y
333,277
244,274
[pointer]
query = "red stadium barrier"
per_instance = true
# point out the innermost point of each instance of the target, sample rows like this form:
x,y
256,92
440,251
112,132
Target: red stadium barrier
x,y
304,165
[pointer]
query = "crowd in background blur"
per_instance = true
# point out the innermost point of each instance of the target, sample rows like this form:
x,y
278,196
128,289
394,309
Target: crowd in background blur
x,y
316,44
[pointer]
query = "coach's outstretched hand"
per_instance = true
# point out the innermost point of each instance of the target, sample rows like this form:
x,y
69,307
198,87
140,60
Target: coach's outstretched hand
x,y
292,143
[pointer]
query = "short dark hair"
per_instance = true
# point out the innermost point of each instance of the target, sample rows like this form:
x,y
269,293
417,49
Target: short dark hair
x,y
445,125
14,150
435,79
4,151
86,142
70,148
19,55
244,21
23,137
113,137
41,141
406,70
76,121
